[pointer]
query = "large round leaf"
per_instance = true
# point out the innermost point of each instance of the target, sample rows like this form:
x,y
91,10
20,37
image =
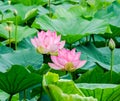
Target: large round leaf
x,y
18,79
103,92
22,32
102,56
71,28
24,57
64,90
98,75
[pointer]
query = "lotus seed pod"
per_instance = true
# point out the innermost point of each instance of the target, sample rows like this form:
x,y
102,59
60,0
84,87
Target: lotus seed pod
x,y
111,44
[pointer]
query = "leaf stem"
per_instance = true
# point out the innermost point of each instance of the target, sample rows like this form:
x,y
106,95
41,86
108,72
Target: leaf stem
x,y
9,38
2,17
10,97
49,8
86,39
24,95
41,92
111,64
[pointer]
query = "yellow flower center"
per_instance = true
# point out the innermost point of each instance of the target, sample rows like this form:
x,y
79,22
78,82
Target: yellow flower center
x,y
69,67
40,50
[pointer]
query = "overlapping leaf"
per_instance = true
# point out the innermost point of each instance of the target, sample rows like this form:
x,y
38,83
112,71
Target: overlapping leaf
x,y
102,56
26,57
64,90
17,79
103,92
72,29
97,75
22,32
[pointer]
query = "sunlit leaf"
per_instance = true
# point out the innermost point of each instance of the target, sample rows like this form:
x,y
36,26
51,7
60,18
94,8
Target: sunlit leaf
x,y
72,29
22,32
26,57
103,92
65,90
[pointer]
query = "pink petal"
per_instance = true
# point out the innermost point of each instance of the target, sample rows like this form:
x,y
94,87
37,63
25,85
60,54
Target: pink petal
x,y
54,66
77,56
53,48
40,35
62,43
73,51
57,39
62,61
55,61
34,42
81,63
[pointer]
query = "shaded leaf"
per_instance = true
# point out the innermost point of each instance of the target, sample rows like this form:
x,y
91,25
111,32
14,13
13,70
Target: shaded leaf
x,y
101,56
13,82
97,75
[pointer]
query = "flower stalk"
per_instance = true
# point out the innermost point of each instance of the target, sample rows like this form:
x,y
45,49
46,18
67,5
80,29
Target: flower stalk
x,y
10,98
9,29
111,47
15,14
49,8
111,64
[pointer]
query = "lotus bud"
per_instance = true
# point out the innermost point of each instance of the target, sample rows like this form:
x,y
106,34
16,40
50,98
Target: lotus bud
x,y
9,2
8,28
9,23
111,44
15,12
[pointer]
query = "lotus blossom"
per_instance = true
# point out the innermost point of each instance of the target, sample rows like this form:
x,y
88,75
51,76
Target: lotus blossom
x,y
48,42
67,60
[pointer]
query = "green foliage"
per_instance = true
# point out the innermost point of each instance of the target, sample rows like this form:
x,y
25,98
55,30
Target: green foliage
x,y
73,29
26,57
13,82
103,92
30,2
101,56
78,22
22,32
97,75
65,90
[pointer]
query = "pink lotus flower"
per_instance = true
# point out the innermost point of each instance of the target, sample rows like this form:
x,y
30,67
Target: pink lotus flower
x,y
68,60
48,42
